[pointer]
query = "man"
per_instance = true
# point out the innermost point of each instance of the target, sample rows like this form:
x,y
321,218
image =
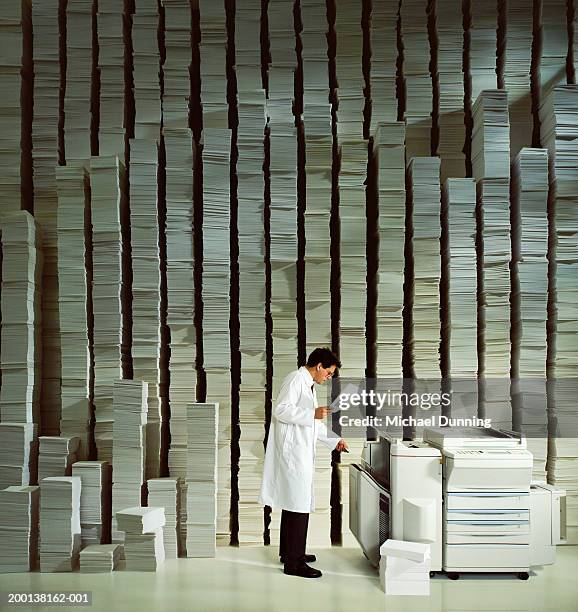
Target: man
x,y
296,424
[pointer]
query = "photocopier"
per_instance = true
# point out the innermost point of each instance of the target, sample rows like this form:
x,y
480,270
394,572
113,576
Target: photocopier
x,y
468,493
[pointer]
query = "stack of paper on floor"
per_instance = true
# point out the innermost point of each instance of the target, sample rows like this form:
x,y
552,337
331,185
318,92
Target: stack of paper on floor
x,y
94,500
404,567
56,455
98,558
59,523
143,537
165,493
19,529
18,453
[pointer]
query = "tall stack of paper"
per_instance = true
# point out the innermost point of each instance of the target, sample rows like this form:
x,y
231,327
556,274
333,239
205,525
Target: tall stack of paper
x,y
283,189
18,453
459,204
491,167
59,524
146,282
77,96
14,76
417,77
250,194
95,499
165,493
21,319
452,129
19,529
404,568
554,46
56,455
518,59
129,444
106,181
143,537
202,432
383,63
44,160
389,143
530,212
483,47
559,118
111,63
424,175
100,558
73,236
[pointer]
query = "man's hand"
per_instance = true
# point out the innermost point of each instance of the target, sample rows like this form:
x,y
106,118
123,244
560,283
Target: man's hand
x,y
342,445
322,412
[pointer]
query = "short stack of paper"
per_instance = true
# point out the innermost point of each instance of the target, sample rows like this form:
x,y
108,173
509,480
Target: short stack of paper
x,y
129,444
18,453
165,493
389,144
59,523
452,129
45,25
459,205
417,77
77,96
424,175
95,498
21,318
106,181
483,47
56,455
73,210
110,23
404,568
202,431
19,529
143,537
100,558
554,46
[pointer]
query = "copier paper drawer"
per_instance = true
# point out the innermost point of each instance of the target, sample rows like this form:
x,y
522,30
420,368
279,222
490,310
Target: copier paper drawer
x,y
463,556
490,501
487,538
488,527
488,515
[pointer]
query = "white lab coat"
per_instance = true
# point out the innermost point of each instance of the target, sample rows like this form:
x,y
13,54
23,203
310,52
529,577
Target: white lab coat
x,y
290,454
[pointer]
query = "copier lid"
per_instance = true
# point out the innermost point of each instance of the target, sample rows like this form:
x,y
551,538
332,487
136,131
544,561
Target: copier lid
x,y
473,437
413,448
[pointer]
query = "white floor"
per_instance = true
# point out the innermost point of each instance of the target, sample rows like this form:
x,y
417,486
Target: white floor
x,y
251,579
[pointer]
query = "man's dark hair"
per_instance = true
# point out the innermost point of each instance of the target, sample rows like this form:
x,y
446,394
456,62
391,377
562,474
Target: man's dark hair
x,y
326,357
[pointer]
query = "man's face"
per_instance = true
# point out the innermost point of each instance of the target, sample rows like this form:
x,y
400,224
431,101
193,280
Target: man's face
x,y
323,374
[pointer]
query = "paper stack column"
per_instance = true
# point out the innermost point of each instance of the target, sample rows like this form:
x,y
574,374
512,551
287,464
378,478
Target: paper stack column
x,y
143,536
483,47
559,118
44,160
554,47
19,528
250,192
452,129
530,213
56,454
95,500
107,180
73,237
491,168
165,493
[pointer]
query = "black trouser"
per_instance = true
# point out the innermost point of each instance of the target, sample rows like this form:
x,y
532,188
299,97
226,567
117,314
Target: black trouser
x,y
293,537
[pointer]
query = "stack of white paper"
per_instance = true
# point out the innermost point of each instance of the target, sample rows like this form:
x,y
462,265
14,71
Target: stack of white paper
x,y
100,558
77,96
165,493
459,197
483,47
129,444
554,46
95,493
202,432
56,455
404,568
417,78
44,160
143,537
59,523
146,281
452,129
18,453
518,60
19,528
106,181
73,210
424,175
110,22
21,318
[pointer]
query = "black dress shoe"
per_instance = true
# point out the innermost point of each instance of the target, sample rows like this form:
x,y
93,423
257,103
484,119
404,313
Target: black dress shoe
x,y
306,559
303,570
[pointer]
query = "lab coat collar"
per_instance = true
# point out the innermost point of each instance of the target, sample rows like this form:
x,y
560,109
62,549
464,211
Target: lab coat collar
x,y
305,373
